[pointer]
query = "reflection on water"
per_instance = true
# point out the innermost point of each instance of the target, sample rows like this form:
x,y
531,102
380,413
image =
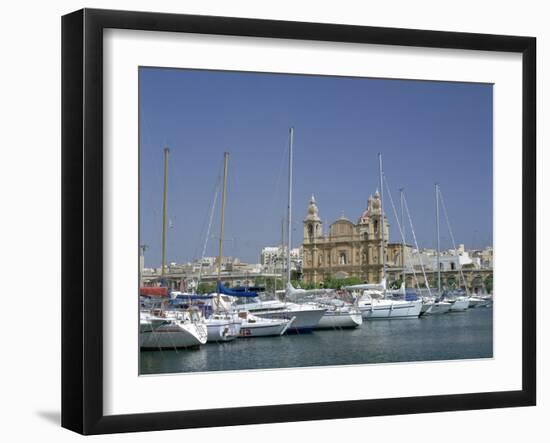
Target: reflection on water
x,y
442,337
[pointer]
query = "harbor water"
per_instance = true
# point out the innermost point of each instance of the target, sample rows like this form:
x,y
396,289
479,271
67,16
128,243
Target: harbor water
x,y
460,335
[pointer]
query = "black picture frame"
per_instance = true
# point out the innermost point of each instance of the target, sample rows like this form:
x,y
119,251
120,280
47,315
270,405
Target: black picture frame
x,y
82,218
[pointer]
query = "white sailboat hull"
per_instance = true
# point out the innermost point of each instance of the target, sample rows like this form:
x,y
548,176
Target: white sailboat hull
x,y
460,304
147,325
305,319
426,307
222,330
340,320
173,335
390,309
439,308
477,302
264,327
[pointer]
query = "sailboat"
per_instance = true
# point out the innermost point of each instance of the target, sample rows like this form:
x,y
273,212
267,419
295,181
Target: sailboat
x,y
475,301
371,298
481,299
252,325
172,330
459,302
345,316
160,328
436,304
306,316
228,323
223,325
339,314
373,303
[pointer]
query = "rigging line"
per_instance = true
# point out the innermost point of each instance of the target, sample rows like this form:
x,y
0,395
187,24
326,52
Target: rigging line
x,y
212,209
410,257
401,229
453,240
202,231
427,284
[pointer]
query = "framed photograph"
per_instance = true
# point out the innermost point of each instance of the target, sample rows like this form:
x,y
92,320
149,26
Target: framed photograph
x,y
268,221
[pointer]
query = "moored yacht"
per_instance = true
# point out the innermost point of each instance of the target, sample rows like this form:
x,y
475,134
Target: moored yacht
x,y
371,298
254,326
306,316
224,324
478,302
427,305
339,314
459,304
434,306
223,327
373,304
340,317
439,307
459,300
149,322
172,330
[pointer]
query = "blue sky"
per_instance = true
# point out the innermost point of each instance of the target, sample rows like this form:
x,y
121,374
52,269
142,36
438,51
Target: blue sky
x,y
426,131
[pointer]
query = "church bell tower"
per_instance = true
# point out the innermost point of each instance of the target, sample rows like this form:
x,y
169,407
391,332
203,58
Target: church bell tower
x,y
313,226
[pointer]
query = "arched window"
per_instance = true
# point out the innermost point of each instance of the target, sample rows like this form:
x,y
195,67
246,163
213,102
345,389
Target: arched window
x,y
376,226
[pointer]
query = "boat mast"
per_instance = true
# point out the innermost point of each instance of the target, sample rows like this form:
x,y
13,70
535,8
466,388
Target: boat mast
x,y
403,231
289,214
165,190
225,160
282,254
382,219
440,195
438,238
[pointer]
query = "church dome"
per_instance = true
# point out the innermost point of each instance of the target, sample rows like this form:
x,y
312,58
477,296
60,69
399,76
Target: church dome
x,y
343,218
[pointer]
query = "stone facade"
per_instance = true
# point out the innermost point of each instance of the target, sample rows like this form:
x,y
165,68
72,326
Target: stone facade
x,y
349,250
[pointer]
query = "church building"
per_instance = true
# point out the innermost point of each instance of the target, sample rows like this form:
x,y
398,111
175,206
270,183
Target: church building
x,y
348,249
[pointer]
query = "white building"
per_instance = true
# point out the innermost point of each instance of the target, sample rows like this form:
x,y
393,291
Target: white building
x,y
449,260
485,256
272,258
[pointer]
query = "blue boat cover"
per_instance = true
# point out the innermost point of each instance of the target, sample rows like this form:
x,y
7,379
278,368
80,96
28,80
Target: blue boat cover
x,y
249,288
223,290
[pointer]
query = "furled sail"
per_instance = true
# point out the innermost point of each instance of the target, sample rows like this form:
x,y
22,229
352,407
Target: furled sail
x,y
235,293
379,286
